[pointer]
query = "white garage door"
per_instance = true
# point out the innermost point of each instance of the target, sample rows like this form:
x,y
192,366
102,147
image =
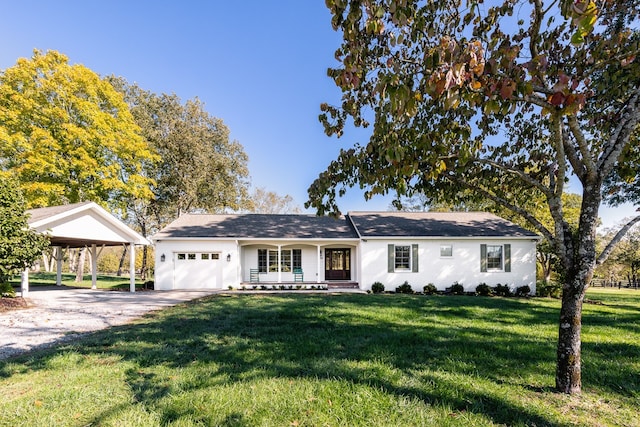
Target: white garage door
x,y
196,270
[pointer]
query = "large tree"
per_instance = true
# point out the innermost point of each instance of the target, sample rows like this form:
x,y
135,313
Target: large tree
x,y
68,136
502,100
19,245
270,202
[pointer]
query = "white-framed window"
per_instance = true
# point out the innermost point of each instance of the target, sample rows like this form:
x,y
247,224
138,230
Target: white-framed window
x,y
446,251
495,257
403,258
289,258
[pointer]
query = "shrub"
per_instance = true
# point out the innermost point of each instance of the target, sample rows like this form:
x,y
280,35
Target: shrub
x,y
502,290
548,289
405,288
429,289
457,289
148,284
377,288
484,290
523,291
6,290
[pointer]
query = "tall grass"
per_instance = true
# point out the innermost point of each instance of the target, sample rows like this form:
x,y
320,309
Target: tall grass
x,y
336,360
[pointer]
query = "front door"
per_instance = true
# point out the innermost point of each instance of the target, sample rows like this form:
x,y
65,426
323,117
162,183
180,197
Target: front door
x,y
337,264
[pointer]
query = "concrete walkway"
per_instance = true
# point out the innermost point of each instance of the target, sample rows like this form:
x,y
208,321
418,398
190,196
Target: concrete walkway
x,y
58,314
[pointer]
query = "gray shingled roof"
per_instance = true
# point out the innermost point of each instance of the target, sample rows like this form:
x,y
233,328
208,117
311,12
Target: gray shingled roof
x,y
258,226
435,224
42,213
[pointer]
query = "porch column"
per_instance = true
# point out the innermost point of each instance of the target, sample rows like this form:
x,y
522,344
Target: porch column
x,y
58,265
24,283
94,266
318,264
279,264
132,267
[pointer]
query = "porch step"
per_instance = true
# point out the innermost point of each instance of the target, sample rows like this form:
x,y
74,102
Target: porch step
x,y
342,285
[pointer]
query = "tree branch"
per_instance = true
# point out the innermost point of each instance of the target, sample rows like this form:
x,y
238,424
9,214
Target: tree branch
x,y
578,166
619,138
520,174
616,239
503,202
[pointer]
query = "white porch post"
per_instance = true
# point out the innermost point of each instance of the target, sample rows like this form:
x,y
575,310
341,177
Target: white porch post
x,y
94,266
58,265
318,264
279,264
24,283
132,267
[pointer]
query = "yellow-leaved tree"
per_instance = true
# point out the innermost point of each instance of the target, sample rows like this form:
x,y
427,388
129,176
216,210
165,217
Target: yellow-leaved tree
x,y
67,136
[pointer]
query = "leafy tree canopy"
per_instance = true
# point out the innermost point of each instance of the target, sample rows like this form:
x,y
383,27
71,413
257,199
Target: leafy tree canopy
x,y
19,245
499,100
200,168
68,136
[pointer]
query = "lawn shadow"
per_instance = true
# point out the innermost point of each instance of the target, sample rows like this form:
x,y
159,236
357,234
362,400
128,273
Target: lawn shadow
x,y
432,340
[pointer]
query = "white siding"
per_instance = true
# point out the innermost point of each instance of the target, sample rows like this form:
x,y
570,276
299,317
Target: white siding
x,y
462,267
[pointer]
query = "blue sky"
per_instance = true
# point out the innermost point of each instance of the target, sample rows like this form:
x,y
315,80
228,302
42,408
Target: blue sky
x,y
260,66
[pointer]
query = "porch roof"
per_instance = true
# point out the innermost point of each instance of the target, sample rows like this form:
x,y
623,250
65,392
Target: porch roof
x,y
257,226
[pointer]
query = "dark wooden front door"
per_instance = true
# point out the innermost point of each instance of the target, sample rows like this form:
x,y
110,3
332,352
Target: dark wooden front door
x,y
337,264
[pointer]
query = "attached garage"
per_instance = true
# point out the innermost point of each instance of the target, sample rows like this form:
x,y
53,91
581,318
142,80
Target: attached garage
x,y
197,270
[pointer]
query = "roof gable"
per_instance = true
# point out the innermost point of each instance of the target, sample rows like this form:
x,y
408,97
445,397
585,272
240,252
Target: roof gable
x,y
435,224
79,224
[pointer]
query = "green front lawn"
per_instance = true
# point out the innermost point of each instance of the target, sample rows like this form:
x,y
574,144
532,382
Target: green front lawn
x,y
335,360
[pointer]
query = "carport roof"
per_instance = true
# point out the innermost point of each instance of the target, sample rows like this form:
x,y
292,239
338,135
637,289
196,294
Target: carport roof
x,y
82,224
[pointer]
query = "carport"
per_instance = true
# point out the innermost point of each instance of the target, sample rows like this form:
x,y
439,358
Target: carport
x,y
83,225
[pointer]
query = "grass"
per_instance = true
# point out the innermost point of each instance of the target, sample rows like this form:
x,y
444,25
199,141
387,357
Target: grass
x,y
106,282
335,360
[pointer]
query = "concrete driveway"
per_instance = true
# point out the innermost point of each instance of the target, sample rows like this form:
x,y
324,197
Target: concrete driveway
x,y
58,314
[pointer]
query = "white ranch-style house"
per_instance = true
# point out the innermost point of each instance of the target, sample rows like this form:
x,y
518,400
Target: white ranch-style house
x,y
220,251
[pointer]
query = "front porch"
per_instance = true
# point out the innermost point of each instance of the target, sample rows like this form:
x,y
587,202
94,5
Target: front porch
x,y
298,265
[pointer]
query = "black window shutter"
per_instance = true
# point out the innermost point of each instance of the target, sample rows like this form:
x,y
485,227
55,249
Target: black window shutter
x,y
483,257
414,258
391,259
507,258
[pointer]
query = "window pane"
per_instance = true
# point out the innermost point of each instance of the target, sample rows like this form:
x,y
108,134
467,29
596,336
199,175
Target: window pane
x,y
182,256
215,256
285,261
204,256
262,260
273,261
191,256
297,258
403,257
446,250
494,257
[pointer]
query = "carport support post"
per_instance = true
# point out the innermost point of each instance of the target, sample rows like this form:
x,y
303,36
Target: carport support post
x,y
24,283
132,267
58,265
94,266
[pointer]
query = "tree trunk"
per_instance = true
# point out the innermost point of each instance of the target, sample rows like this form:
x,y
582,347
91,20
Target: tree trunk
x,y
80,265
122,258
568,368
143,269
